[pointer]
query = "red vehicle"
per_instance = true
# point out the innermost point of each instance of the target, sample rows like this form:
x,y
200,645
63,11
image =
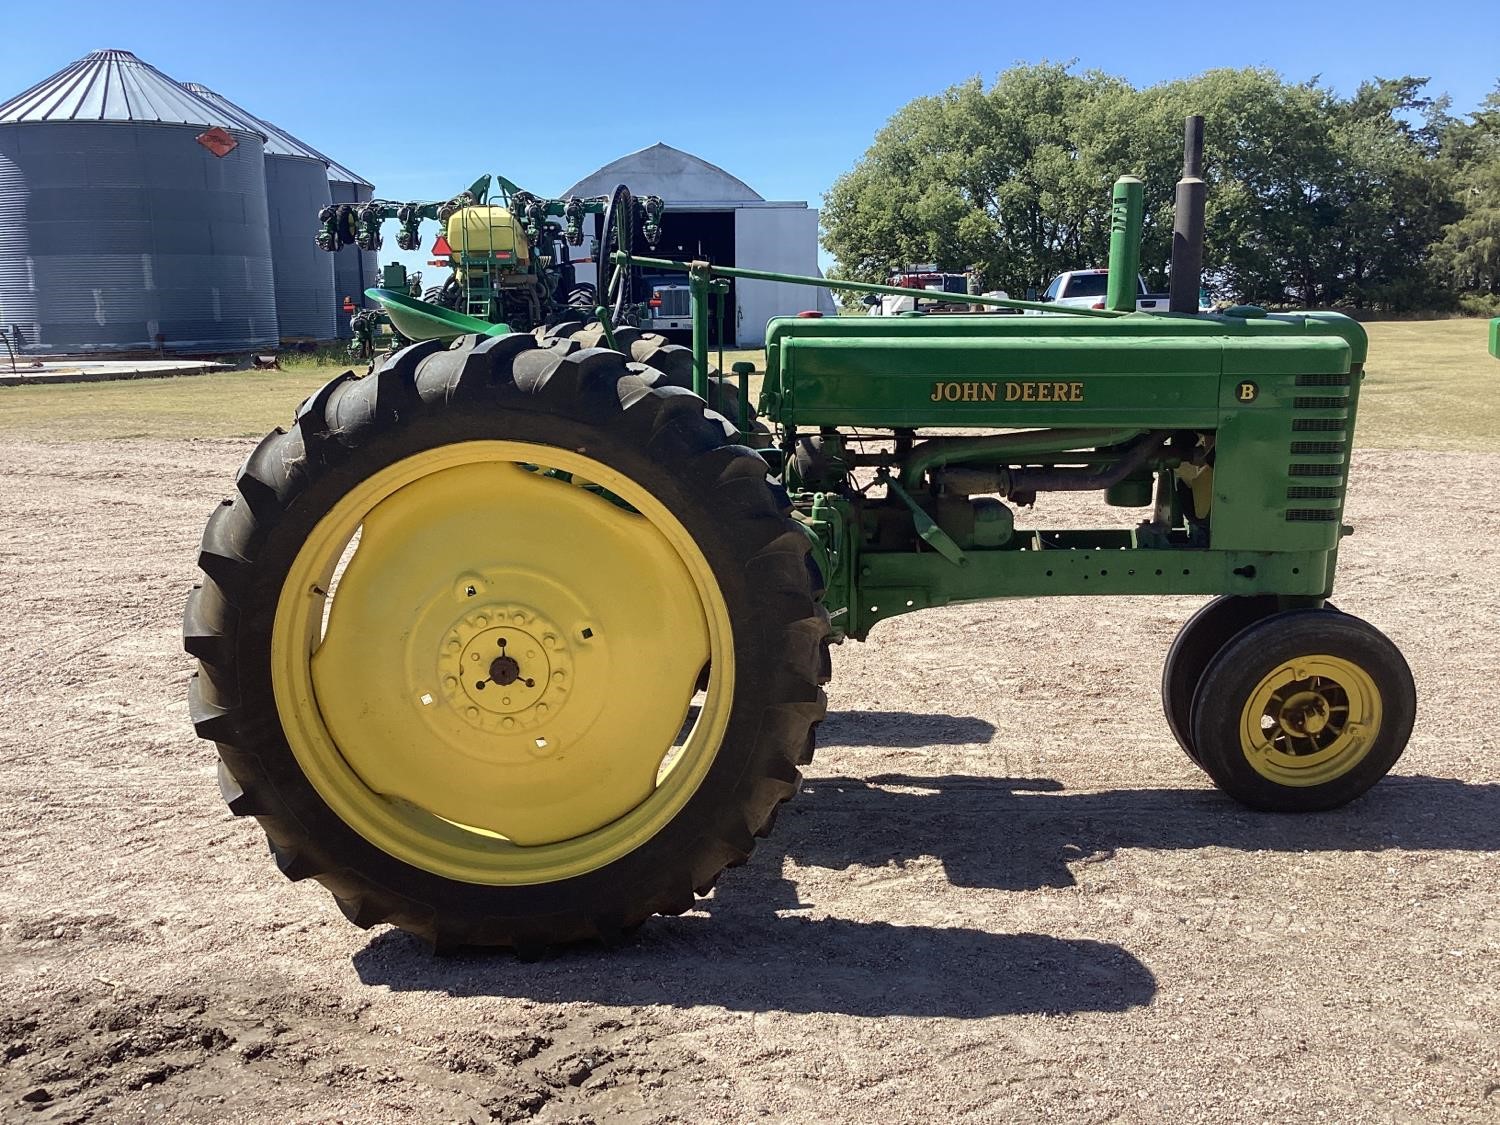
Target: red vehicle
x,y
920,279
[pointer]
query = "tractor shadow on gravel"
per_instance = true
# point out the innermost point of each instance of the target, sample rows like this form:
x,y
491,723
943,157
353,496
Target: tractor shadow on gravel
x,y
758,962
902,729
753,953
1022,834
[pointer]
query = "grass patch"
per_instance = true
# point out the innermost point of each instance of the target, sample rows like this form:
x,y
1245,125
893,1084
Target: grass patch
x,y
226,405
756,356
1430,385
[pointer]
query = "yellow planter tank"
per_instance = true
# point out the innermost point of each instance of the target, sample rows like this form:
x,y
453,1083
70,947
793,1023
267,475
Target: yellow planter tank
x,y
485,231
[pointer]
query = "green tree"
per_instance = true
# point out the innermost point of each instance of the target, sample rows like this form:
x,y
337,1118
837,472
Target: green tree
x,y
1394,197
1313,198
1467,256
993,178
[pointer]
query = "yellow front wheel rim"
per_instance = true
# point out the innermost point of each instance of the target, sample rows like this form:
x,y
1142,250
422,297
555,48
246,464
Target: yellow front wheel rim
x,y
486,659
1310,720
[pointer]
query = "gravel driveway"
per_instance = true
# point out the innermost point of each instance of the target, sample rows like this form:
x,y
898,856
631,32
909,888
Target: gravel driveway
x,y
1003,895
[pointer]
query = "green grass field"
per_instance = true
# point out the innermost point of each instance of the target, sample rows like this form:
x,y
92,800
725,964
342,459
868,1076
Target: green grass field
x,y
1431,385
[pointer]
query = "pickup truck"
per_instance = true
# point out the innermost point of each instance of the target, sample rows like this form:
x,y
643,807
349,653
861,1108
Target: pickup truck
x,y
1085,289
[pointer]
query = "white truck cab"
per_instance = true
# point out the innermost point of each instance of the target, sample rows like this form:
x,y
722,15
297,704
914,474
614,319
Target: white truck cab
x,y
1086,289
669,303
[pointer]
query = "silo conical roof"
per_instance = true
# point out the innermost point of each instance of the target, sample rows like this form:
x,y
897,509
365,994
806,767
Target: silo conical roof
x,y
111,86
278,141
341,175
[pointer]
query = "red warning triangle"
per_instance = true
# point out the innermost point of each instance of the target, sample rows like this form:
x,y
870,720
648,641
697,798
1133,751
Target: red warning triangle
x,y
441,246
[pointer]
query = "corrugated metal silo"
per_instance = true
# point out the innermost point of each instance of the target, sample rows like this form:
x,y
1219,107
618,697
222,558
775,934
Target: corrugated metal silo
x,y
296,190
119,228
354,270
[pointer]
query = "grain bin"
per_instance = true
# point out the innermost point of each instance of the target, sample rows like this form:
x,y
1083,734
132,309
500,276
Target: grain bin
x,y
124,223
297,188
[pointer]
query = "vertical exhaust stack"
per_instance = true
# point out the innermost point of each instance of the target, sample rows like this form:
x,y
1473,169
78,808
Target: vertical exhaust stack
x,y
1187,222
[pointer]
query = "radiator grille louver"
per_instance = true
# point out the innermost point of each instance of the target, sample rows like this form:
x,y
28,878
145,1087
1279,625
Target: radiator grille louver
x,y
1311,515
1314,492
1326,414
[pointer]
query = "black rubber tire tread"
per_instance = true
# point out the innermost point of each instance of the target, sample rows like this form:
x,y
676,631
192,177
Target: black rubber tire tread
x,y
812,465
825,654
582,297
674,361
1201,637
508,387
825,651
1257,650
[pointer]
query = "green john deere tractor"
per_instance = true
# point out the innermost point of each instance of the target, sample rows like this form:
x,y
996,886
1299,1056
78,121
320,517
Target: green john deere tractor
x,y
515,640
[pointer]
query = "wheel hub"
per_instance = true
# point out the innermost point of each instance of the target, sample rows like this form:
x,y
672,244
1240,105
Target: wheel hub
x,y
1305,713
1310,720
505,668
504,671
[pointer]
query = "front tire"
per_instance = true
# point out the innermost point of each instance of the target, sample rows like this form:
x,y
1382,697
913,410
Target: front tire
x,y
611,538
1201,637
1303,711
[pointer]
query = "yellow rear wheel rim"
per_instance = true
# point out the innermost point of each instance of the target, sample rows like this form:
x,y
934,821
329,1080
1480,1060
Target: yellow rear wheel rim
x,y
486,659
1310,721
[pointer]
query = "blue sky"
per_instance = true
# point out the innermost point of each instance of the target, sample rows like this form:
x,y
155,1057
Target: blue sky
x,y
420,99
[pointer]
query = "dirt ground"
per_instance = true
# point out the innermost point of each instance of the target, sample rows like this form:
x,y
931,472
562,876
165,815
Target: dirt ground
x,y
1004,894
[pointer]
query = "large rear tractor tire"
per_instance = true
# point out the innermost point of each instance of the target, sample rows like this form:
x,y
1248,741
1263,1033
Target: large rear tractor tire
x,y
1303,711
674,361
451,634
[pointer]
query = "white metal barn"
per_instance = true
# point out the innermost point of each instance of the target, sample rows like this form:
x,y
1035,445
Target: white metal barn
x,y
715,216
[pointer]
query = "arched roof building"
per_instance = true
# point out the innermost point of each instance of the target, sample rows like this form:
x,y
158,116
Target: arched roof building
x,y
714,215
